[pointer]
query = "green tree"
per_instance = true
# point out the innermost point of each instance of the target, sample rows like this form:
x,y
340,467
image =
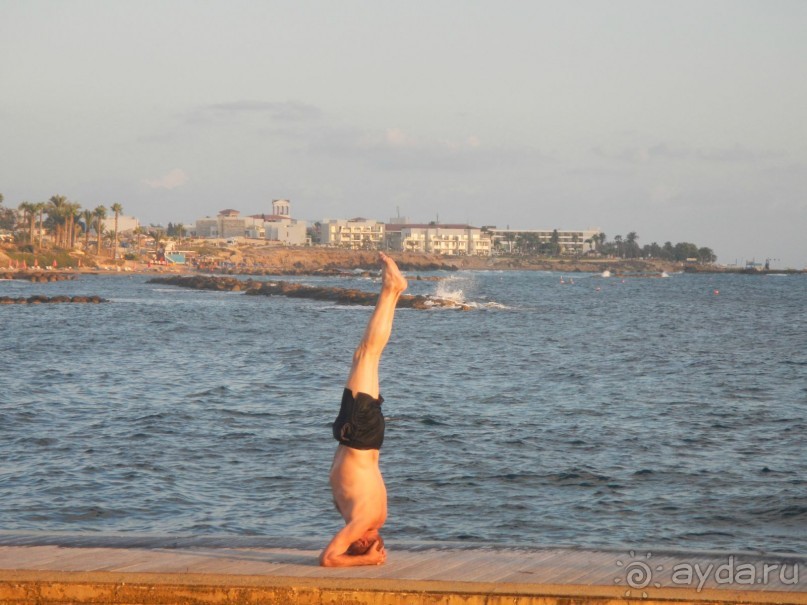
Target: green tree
x,y
314,232
631,245
652,251
57,211
39,208
87,217
530,243
510,237
706,255
28,217
685,250
159,237
100,215
619,246
75,215
117,209
554,242
8,218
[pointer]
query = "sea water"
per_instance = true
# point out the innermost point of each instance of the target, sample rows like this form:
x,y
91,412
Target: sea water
x,y
594,412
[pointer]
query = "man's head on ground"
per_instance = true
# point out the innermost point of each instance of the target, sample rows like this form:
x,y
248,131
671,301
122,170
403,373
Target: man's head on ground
x,y
365,543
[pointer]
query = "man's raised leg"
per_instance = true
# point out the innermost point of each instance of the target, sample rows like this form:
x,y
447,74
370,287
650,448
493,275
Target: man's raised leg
x,y
363,376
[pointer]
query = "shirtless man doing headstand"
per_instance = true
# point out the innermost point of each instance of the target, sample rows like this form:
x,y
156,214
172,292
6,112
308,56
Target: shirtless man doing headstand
x,y
358,488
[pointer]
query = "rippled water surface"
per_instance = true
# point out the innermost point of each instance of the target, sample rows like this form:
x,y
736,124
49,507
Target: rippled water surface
x,y
598,413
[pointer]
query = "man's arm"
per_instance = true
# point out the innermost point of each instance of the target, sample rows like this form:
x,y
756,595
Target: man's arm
x,y
335,555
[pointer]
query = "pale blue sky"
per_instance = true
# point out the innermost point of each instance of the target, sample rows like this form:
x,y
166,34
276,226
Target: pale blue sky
x,y
682,121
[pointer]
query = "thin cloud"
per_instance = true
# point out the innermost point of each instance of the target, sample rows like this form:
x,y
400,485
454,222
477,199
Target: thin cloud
x,y
664,152
287,111
396,149
737,153
173,179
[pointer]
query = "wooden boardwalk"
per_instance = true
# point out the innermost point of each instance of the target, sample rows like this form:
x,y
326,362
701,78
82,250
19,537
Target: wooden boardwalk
x,y
36,568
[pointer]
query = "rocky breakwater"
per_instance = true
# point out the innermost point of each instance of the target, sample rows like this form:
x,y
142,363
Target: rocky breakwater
x,y
342,296
38,300
37,276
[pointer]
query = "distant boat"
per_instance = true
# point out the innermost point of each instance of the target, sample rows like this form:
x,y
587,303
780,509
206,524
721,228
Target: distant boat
x,y
664,274
606,273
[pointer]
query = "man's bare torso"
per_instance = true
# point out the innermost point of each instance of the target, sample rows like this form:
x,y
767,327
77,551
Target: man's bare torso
x,y
358,488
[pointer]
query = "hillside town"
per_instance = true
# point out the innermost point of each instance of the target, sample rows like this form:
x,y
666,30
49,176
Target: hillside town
x,y
60,233
397,234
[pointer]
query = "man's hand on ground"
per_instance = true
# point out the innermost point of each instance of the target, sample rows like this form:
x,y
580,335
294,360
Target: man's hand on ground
x,y
362,546
377,554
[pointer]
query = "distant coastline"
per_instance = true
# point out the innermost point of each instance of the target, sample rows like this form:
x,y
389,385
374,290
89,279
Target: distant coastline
x,y
308,260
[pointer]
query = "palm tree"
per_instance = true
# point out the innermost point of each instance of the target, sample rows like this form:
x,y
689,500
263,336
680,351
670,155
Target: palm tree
x,y
158,235
28,216
39,207
56,212
87,216
73,213
117,209
618,242
100,215
138,231
631,245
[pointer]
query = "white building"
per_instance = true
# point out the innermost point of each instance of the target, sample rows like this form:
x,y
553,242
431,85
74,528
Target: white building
x,y
229,224
280,227
126,224
355,233
450,240
570,242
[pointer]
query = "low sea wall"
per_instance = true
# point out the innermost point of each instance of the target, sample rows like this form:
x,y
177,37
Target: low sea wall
x,y
40,569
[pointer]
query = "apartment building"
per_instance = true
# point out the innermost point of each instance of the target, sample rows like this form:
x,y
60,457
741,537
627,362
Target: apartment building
x,y
447,239
229,223
280,227
570,241
355,233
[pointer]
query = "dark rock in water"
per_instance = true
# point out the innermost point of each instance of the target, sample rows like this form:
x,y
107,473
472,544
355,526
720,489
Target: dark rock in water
x,y
39,277
201,282
38,299
343,296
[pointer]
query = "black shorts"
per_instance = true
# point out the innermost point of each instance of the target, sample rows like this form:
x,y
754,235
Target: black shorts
x,y
360,423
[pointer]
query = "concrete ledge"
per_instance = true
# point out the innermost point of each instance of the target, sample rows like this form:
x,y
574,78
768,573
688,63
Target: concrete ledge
x,y
90,569
191,589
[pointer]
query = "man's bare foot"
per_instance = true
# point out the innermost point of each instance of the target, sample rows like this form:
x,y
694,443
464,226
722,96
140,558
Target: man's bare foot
x,y
391,277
